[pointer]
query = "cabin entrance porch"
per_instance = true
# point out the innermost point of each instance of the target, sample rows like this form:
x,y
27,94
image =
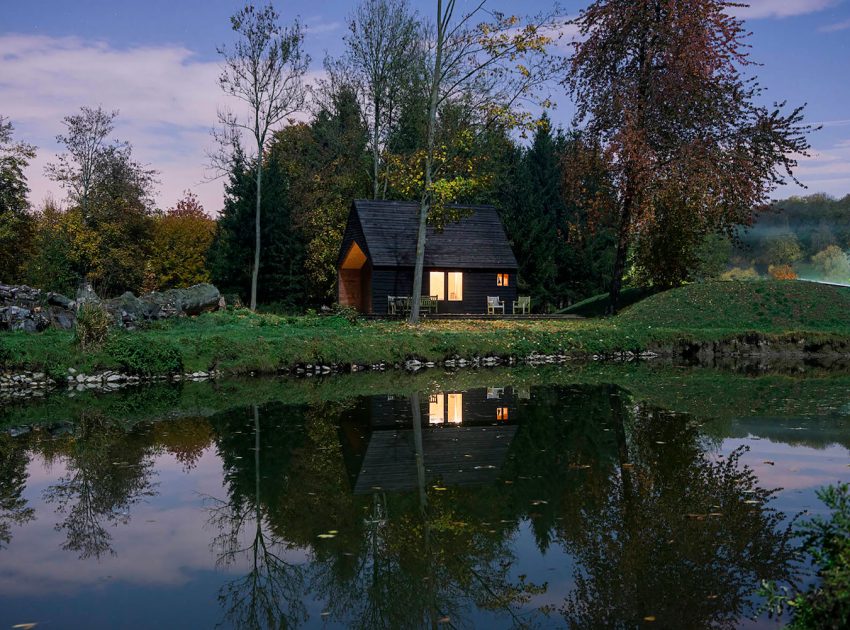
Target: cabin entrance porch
x,y
355,280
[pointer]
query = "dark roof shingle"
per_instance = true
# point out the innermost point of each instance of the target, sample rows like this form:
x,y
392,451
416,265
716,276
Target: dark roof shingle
x,y
477,241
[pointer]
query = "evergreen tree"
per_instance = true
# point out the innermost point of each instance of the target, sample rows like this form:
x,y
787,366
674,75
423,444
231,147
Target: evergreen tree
x,y
231,254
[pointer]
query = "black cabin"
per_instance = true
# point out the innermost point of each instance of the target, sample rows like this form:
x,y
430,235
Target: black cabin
x,y
465,262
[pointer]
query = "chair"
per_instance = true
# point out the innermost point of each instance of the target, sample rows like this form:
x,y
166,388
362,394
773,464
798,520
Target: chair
x,y
494,304
428,304
522,304
391,305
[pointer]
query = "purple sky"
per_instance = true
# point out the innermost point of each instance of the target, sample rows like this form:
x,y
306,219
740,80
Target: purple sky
x,y
155,61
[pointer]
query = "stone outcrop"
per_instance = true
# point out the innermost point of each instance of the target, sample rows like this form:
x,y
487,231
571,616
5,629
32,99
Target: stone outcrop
x,y
33,310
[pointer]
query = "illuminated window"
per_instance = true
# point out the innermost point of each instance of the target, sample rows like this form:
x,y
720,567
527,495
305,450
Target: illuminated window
x,y
435,409
437,284
502,414
455,286
455,408
501,279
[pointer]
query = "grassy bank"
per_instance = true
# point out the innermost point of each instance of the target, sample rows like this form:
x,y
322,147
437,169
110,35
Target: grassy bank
x,y
240,342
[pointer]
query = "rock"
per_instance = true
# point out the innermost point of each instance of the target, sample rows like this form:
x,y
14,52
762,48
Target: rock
x,y
57,299
85,293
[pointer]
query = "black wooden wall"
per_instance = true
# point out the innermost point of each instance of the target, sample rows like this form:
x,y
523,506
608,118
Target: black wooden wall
x,y
477,285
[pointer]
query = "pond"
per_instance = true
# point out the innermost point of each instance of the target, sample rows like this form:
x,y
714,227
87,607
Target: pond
x,y
592,497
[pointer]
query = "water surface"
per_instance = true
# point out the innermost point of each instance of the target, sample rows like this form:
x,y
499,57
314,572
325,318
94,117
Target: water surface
x,y
655,500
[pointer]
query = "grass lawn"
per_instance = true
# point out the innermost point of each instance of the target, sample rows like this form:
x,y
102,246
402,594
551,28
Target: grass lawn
x,y
240,342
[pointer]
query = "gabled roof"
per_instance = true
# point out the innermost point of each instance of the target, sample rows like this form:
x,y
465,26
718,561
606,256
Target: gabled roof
x,y
389,229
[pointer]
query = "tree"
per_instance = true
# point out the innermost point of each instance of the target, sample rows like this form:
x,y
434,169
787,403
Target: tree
x,y
16,225
326,165
77,170
661,84
783,250
488,69
53,265
111,201
382,49
832,264
181,239
265,70
232,251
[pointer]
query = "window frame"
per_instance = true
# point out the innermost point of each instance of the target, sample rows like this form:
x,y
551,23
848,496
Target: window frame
x,y
503,279
440,288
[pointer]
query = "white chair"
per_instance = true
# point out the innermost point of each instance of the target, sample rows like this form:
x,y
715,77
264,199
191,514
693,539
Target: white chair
x,y
494,304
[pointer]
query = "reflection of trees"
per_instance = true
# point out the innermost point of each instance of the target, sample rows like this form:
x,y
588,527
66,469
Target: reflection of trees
x,y
673,535
13,477
107,471
423,558
270,594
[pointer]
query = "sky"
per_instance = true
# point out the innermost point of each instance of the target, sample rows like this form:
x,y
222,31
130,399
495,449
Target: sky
x,y
156,62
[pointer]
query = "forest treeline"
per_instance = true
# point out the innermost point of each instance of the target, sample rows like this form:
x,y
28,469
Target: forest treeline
x,y
439,117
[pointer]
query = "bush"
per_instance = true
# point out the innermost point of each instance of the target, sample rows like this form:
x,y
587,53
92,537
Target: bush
x,y
737,274
92,327
348,313
144,356
825,604
782,272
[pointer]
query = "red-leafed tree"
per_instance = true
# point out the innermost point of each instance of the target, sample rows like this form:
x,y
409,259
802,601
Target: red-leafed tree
x,y
666,88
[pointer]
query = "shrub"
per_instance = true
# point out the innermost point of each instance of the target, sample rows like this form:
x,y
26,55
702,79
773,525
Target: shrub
x,y
144,356
348,313
92,326
826,604
782,272
5,355
737,273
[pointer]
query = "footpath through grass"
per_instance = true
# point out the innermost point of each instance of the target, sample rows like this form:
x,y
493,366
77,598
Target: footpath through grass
x,y
240,342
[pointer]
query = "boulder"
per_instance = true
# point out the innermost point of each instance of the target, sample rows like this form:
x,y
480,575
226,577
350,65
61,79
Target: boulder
x,y
195,300
25,308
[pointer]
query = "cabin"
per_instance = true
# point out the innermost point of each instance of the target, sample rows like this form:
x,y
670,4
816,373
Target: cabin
x,y
465,263
466,438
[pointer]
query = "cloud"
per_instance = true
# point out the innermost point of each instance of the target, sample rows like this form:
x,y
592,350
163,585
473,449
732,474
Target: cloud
x,y
167,95
837,26
322,27
781,8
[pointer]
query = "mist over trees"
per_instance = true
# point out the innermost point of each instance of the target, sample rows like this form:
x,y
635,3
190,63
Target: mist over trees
x,y
441,112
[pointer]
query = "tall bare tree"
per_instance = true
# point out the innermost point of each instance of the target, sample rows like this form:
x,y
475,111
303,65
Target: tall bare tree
x,y
382,48
492,65
265,69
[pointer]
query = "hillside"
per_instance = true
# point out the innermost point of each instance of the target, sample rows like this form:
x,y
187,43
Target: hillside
x,y
770,305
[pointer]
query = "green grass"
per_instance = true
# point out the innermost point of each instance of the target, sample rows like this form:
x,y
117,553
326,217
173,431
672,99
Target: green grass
x,y
769,306
241,342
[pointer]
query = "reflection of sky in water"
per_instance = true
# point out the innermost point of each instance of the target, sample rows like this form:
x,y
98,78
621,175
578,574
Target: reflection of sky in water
x,y
164,573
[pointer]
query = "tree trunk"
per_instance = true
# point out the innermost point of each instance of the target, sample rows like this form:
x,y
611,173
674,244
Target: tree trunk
x,y
376,185
255,272
620,258
425,203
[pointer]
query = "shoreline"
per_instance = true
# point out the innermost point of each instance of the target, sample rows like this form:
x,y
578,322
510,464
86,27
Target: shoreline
x,y
745,351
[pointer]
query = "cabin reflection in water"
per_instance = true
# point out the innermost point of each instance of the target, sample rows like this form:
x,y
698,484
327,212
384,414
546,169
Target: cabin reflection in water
x,y
465,439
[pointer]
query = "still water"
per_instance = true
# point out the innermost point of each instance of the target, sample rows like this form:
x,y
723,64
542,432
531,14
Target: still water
x,y
651,500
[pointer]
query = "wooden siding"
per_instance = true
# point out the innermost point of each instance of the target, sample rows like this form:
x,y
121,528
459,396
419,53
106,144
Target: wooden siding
x,y
454,456
477,285
388,411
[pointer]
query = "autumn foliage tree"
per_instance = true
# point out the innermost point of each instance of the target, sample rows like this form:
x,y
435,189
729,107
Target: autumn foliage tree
x,y
662,84
180,240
